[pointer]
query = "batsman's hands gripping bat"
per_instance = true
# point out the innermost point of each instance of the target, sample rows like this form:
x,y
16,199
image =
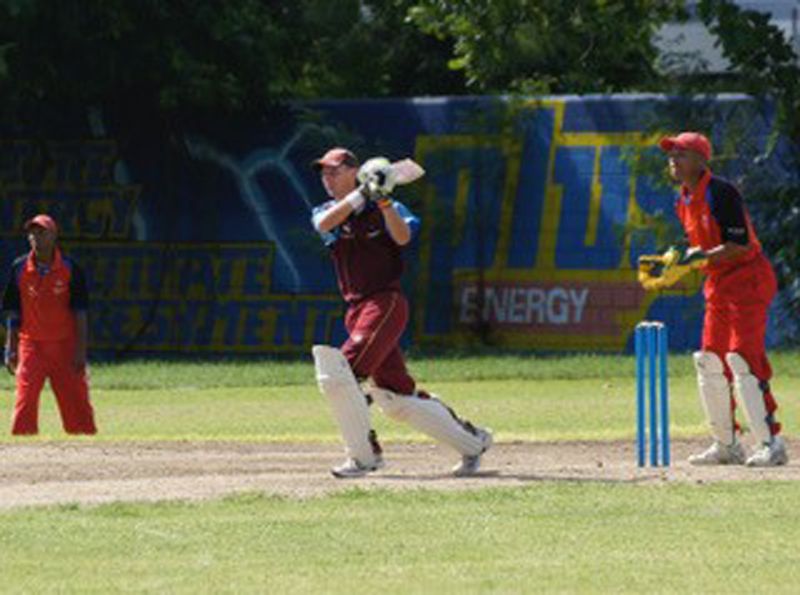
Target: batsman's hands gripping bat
x,y
378,176
659,271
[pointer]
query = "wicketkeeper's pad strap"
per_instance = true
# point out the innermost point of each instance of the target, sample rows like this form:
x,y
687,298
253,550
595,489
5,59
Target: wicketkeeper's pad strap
x,y
715,395
749,394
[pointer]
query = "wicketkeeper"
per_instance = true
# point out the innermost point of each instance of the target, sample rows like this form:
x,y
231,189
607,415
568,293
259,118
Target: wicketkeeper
x,y
365,231
740,284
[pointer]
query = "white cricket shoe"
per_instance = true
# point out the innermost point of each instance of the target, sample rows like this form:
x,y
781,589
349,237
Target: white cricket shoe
x,y
720,454
470,464
770,454
353,468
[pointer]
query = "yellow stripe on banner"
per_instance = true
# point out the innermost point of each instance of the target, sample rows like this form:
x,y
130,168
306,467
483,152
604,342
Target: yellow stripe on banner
x,y
425,146
517,276
634,217
512,151
460,206
605,139
548,235
595,197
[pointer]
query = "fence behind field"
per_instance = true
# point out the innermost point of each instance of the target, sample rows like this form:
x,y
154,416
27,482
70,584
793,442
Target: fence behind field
x,y
533,215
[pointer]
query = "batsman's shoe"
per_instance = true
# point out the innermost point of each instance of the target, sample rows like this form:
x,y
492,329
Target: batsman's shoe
x,y
720,454
470,464
353,468
769,455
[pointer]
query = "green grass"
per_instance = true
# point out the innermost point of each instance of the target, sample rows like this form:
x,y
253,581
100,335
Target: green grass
x,y
548,536
155,375
528,398
516,409
551,537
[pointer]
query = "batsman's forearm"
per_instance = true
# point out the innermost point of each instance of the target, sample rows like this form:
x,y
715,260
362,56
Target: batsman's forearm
x,y
339,212
333,217
396,225
725,251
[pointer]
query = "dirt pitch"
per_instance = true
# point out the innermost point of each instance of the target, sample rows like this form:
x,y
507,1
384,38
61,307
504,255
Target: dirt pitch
x,y
47,473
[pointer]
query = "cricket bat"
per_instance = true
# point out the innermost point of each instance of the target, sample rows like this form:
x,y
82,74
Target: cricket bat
x,y
407,171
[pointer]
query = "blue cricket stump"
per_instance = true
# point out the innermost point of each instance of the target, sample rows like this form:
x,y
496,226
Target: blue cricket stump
x,y
652,393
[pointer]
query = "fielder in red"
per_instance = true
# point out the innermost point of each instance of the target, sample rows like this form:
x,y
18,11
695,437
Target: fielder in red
x,y
45,302
740,284
366,231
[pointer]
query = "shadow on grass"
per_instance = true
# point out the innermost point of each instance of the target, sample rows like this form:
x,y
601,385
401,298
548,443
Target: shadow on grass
x,y
499,479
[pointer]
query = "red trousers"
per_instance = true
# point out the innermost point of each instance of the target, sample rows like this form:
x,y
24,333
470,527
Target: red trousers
x,y
38,361
737,307
375,326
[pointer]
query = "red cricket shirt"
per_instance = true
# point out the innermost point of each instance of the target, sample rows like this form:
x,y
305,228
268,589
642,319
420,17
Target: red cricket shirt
x,y
44,299
713,214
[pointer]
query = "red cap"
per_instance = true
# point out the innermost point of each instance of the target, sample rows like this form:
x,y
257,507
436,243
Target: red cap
x,y
687,141
45,221
336,157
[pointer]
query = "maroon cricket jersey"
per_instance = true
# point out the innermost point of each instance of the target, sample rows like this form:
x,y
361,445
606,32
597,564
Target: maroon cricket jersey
x,y
366,258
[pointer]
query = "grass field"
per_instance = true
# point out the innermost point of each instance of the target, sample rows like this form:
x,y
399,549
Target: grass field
x,y
548,536
592,538
521,398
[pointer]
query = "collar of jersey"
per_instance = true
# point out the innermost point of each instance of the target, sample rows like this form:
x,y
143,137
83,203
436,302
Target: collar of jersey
x,y
55,265
688,196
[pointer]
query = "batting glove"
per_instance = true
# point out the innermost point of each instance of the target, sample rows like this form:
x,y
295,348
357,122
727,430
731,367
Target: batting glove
x,y
377,178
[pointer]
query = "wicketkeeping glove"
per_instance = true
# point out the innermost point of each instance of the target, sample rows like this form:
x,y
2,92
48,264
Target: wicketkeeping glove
x,y
658,271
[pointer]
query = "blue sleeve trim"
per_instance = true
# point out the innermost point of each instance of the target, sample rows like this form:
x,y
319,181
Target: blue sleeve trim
x,y
410,218
328,237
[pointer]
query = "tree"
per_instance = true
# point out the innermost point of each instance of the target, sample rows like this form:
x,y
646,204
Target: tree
x,y
368,48
153,54
551,46
225,58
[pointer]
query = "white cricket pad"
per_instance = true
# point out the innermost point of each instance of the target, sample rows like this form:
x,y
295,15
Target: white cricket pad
x,y
751,397
337,382
431,417
715,395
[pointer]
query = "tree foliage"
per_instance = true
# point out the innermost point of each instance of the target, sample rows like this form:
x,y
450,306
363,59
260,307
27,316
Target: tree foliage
x,y
763,62
230,57
551,46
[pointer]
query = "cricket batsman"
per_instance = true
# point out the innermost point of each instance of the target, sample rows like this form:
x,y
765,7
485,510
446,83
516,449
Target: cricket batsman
x,y
740,284
365,231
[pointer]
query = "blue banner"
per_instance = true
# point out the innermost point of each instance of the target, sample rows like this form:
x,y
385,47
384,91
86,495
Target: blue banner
x,y
533,216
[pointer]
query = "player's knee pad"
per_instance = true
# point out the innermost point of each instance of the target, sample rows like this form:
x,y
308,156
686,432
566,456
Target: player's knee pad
x,y
737,364
337,382
715,394
751,396
432,417
708,364
394,405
